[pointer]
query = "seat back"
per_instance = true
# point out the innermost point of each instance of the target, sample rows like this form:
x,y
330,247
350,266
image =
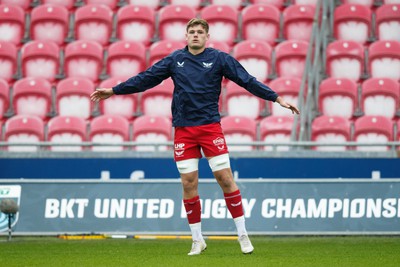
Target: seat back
x,y
160,49
24,129
276,129
297,22
289,89
290,58
373,129
150,129
12,23
239,129
384,59
8,60
66,129
330,129
157,100
387,24
4,98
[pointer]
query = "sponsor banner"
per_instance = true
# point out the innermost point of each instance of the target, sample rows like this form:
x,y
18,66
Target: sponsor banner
x,y
9,192
144,168
290,207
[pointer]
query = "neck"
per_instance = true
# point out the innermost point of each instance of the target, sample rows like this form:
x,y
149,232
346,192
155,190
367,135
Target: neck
x,y
196,51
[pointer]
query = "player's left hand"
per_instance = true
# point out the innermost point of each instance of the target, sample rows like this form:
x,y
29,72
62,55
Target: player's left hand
x,y
287,105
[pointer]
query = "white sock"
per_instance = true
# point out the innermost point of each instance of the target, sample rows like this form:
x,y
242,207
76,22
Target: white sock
x,y
240,225
195,228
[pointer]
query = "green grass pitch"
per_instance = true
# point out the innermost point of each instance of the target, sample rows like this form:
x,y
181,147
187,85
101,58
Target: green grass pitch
x,y
269,251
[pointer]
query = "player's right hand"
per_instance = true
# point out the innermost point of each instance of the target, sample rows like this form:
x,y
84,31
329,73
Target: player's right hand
x,y
101,93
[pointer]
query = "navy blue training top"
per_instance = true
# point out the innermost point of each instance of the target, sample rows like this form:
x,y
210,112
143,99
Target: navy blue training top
x,y
197,80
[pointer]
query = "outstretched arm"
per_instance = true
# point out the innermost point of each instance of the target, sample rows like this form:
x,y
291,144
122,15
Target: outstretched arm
x,y
101,93
287,105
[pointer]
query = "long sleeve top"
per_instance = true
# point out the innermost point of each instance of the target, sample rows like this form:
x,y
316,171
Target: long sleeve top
x,y
197,84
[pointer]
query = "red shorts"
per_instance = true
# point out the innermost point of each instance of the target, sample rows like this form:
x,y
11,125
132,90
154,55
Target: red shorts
x,y
189,141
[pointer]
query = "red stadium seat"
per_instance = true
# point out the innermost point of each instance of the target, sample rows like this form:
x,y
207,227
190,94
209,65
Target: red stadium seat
x,y
172,22
160,49
8,60
32,96
289,89
154,4
305,2
380,96
109,129
69,4
12,23
338,97
345,59
384,59
255,56
24,129
73,97
49,22
237,4
157,100
94,23
40,59
126,59
122,105
261,22
151,129
290,58
223,22
275,129
352,22
136,24
239,129
374,130
24,4
278,3
298,21
112,4
367,3
330,129
4,98
222,46
240,102
387,23
66,129
83,59
196,4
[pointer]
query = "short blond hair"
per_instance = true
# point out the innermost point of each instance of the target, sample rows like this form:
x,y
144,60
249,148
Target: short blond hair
x,y
195,22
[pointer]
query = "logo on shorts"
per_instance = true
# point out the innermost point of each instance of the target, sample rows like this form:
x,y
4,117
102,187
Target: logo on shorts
x,y
219,141
179,149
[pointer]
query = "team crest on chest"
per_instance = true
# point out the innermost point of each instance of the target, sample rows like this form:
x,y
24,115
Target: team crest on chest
x,y
180,64
207,65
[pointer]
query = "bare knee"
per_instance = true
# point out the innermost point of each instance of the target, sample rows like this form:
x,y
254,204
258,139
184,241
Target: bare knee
x,y
190,183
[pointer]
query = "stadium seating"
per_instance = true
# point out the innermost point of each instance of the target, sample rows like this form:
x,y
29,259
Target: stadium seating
x,y
223,21
135,24
112,4
125,59
49,22
240,102
196,4
384,59
239,129
387,21
73,97
24,129
122,105
109,129
83,59
4,98
330,129
305,2
278,3
289,89
24,4
172,20
157,100
290,58
65,130
32,96
261,22
12,23
160,49
237,4
222,46
40,59
380,96
94,23
374,130
69,4
154,4
8,60
255,56
276,129
151,129
338,97
345,59
297,22
352,22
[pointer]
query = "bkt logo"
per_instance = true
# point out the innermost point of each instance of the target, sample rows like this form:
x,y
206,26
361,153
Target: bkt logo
x,y
179,146
218,141
11,192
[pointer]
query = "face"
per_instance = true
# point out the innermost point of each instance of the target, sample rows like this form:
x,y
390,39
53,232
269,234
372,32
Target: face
x,y
196,37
